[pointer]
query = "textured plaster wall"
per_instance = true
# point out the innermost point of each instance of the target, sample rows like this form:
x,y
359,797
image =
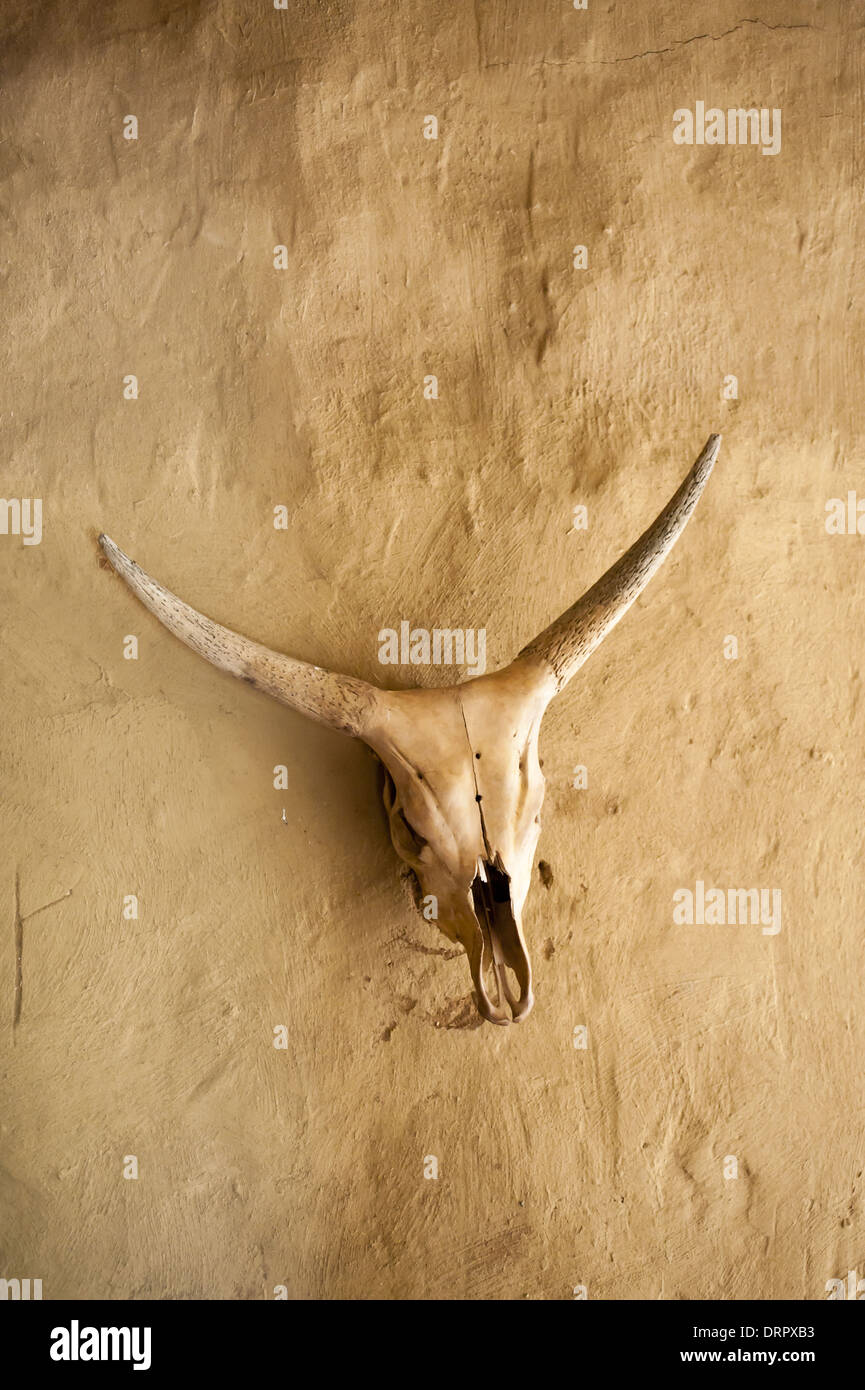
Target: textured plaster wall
x,y
303,387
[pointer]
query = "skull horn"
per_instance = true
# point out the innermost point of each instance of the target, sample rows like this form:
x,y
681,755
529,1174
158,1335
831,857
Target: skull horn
x,y
567,642
339,701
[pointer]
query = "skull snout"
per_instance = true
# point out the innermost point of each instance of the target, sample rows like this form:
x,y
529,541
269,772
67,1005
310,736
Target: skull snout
x,y
499,956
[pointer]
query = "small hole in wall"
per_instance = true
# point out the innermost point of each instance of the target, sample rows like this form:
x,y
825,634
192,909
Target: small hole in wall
x,y
477,755
420,777
478,797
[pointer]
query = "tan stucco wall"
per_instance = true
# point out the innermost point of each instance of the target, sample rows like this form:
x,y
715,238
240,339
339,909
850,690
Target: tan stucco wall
x,y
303,387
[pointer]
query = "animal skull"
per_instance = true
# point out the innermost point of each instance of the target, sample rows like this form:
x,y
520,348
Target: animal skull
x,y
463,785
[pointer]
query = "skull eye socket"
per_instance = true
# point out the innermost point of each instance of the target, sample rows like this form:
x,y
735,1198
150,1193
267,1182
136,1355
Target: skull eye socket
x,y
406,839
407,843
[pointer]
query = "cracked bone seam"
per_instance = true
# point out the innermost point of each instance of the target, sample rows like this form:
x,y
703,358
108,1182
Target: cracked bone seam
x,y
463,784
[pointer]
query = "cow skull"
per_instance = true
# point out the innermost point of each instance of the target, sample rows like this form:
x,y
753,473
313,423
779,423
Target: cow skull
x,y
463,785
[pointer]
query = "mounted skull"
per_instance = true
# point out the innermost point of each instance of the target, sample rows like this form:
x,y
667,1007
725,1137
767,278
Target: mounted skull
x,y
463,785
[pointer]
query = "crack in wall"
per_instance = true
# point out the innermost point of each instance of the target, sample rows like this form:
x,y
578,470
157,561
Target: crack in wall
x,y
697,38
19,957
18,990
655,52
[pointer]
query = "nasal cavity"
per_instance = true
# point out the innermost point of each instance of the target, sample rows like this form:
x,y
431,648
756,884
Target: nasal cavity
x,y
491,884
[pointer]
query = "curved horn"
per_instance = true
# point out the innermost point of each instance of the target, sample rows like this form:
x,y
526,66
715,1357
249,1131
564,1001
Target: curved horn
x,y
567,642
340,701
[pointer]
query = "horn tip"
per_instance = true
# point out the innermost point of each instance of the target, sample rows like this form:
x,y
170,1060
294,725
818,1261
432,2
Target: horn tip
x,y
108,546
713,444
706,462
113,554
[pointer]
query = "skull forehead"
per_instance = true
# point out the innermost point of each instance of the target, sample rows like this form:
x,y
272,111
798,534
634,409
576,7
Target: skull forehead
x,y
464,765
502,716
